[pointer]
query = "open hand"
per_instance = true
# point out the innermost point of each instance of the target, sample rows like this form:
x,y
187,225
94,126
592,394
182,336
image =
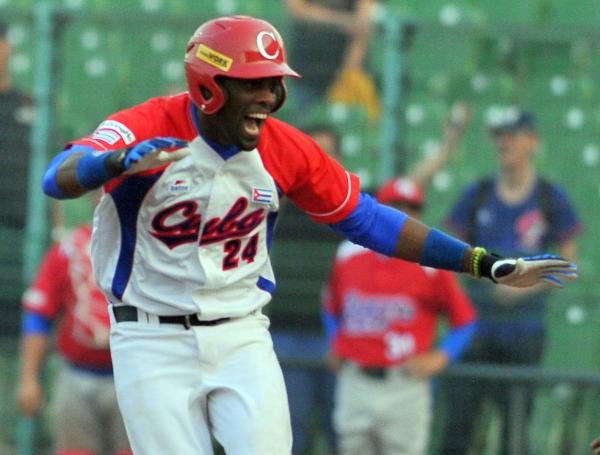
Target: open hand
x,y
152,153
528,271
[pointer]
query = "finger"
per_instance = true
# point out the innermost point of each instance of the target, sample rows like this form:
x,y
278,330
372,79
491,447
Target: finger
x,y
544,256
548,263
566,271
554,271
167,142
173,156
553,281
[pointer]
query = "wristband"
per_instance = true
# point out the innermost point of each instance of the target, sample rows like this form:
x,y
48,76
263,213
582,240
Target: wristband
x,y
442,251
95,169
478,253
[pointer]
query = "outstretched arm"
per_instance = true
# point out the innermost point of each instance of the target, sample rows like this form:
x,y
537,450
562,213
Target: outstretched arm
x,y
391,232
80,169
350,22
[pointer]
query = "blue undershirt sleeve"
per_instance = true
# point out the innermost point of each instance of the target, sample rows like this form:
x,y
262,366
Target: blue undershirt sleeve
x,y
442,251
373,225
331,324
91,170
35,324
49,183
457,340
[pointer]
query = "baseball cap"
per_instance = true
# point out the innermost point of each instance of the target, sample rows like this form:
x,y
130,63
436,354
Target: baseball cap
x,y
511,120
401,190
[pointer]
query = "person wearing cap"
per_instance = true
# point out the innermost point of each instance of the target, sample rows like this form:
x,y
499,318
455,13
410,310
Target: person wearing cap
x,y
391,356
182,234
382,317
516,211
16,117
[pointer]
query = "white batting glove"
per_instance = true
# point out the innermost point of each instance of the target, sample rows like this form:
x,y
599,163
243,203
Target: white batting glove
x,y
532,270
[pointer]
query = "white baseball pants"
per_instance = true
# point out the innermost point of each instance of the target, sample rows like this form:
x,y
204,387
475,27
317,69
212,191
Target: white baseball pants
x,y
177,387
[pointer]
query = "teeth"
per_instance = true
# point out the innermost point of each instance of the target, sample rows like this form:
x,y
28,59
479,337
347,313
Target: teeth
x,y
258,116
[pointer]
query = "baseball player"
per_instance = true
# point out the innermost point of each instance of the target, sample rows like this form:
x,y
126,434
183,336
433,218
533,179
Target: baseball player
x,y
381,314
192,185
86,418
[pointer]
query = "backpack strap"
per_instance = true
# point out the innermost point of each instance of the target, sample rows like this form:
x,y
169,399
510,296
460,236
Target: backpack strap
x,y
545,197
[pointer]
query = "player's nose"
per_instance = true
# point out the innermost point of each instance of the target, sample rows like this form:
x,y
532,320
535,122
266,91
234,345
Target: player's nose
x,y
267,93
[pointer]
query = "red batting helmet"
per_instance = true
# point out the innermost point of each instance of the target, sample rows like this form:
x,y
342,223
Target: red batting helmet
x,y
401,190
240,47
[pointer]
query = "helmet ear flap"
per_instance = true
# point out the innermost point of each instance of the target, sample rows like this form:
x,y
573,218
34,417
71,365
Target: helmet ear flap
x,y
208,92
281,94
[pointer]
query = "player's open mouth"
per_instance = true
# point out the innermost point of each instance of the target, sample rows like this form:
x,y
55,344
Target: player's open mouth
x,y
253,122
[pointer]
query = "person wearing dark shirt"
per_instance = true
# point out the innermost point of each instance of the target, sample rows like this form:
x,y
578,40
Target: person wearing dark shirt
x,y
16,116
515,211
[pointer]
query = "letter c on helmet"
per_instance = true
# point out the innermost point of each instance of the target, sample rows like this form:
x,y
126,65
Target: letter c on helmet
x,y
260,43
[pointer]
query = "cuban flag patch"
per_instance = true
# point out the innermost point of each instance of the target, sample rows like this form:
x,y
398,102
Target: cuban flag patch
x,y
262,196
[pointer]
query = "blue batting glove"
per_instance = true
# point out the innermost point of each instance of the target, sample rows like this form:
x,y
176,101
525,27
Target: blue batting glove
x,y
139,151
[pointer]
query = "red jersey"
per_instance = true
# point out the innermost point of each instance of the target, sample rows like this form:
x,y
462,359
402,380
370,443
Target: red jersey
x,y
64,289
389,308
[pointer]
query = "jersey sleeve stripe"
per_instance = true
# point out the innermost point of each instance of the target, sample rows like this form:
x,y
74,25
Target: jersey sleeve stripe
x,y
100,144
341,206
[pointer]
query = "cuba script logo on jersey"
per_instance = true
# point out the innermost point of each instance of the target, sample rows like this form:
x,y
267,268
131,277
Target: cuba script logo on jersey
x,y
180,224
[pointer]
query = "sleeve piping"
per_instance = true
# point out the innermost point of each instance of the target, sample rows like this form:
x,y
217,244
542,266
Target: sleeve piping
x,y
341,206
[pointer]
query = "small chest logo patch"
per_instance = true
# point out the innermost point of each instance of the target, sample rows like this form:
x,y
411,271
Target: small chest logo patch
x,y
179,186
262,196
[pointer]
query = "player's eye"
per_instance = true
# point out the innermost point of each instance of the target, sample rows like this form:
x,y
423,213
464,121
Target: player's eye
x,y
252,84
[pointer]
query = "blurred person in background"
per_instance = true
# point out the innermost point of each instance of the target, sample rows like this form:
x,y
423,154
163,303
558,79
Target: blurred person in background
x,y
16,118
85,417
337,69
515,212
381,316
299,335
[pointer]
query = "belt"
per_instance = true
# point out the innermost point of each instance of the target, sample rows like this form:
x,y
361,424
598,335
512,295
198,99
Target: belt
x,y
130,313
374,372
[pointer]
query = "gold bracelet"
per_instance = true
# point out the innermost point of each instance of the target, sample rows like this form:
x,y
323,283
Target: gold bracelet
x,y
478,253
